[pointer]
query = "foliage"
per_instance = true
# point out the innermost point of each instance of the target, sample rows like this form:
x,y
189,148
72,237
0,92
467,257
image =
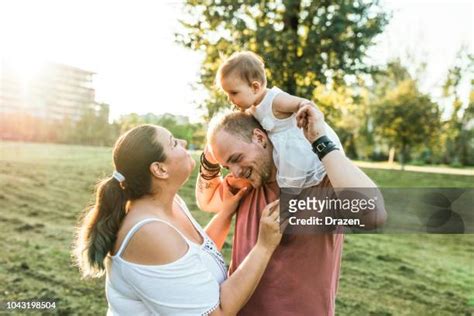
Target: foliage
x,y
92,128
449,141
405,118
389,78
344,109
179,126
302,42
458,130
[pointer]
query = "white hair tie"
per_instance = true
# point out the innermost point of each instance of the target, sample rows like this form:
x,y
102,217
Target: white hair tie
x,y
118,176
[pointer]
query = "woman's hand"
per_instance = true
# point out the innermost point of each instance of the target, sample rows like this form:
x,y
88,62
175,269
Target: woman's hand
x,y
239,287
269,235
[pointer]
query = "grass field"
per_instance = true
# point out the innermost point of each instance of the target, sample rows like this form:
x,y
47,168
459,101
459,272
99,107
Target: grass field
x,y
44,188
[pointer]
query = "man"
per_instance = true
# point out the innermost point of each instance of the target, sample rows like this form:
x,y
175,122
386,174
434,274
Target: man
x,y
302,276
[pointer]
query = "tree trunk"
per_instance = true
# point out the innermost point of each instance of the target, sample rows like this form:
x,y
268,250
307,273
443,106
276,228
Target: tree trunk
x,y
403,156
290,24
391,155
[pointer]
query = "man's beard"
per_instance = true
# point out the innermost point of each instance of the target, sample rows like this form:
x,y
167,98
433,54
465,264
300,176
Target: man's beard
x,y
265,170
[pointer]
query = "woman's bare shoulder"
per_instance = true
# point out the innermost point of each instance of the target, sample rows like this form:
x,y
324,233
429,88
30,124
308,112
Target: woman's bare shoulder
x,y
155,243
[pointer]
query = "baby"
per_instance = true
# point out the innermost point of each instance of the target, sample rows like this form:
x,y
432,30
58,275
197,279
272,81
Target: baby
x,y
242,77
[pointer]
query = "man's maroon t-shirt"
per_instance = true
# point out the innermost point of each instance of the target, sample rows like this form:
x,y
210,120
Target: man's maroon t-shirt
x,y
302,275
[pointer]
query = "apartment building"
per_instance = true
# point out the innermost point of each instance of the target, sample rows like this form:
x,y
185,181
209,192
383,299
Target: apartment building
x,y
51,92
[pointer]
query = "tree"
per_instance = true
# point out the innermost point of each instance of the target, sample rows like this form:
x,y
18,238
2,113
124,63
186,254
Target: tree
x,y
179,126
406,118
384,79
467,131
302,42
93,127
343,108
393,74
458,129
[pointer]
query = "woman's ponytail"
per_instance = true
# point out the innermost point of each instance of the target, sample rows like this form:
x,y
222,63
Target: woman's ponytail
x,y
98,228
133,154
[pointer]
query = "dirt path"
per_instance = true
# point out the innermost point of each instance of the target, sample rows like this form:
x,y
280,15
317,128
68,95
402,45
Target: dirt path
x,y
429,169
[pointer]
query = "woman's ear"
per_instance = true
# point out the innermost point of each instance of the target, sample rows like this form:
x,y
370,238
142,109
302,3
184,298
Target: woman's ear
x,y
159,170
260,137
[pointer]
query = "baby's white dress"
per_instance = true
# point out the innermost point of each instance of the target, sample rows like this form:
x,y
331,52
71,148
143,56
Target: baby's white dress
x,y
298,166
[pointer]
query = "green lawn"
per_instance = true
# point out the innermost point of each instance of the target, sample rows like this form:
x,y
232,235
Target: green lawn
x,y
45,187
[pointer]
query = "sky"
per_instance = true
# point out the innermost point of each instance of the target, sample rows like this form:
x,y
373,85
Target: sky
x,y
431,32
139,68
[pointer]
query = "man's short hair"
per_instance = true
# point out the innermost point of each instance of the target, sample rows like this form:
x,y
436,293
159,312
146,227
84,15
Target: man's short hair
x,y
240,124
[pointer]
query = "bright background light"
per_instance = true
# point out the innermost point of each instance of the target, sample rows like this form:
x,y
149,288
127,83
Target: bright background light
x,y
130,45
431,32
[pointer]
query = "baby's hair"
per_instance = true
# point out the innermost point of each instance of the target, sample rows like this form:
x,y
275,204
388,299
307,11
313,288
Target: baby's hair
x,y
247,65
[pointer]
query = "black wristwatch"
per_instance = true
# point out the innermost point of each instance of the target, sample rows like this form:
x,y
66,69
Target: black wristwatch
x,y
323,146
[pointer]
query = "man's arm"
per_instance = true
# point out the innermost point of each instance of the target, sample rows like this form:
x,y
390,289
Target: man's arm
x,y
218,228
209,183
342,173
207,197
215,193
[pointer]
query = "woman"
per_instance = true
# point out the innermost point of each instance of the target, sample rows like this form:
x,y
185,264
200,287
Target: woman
x,y
156,257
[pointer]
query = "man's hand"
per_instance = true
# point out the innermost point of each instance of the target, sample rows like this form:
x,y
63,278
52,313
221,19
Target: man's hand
x,y
311,119
303,102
